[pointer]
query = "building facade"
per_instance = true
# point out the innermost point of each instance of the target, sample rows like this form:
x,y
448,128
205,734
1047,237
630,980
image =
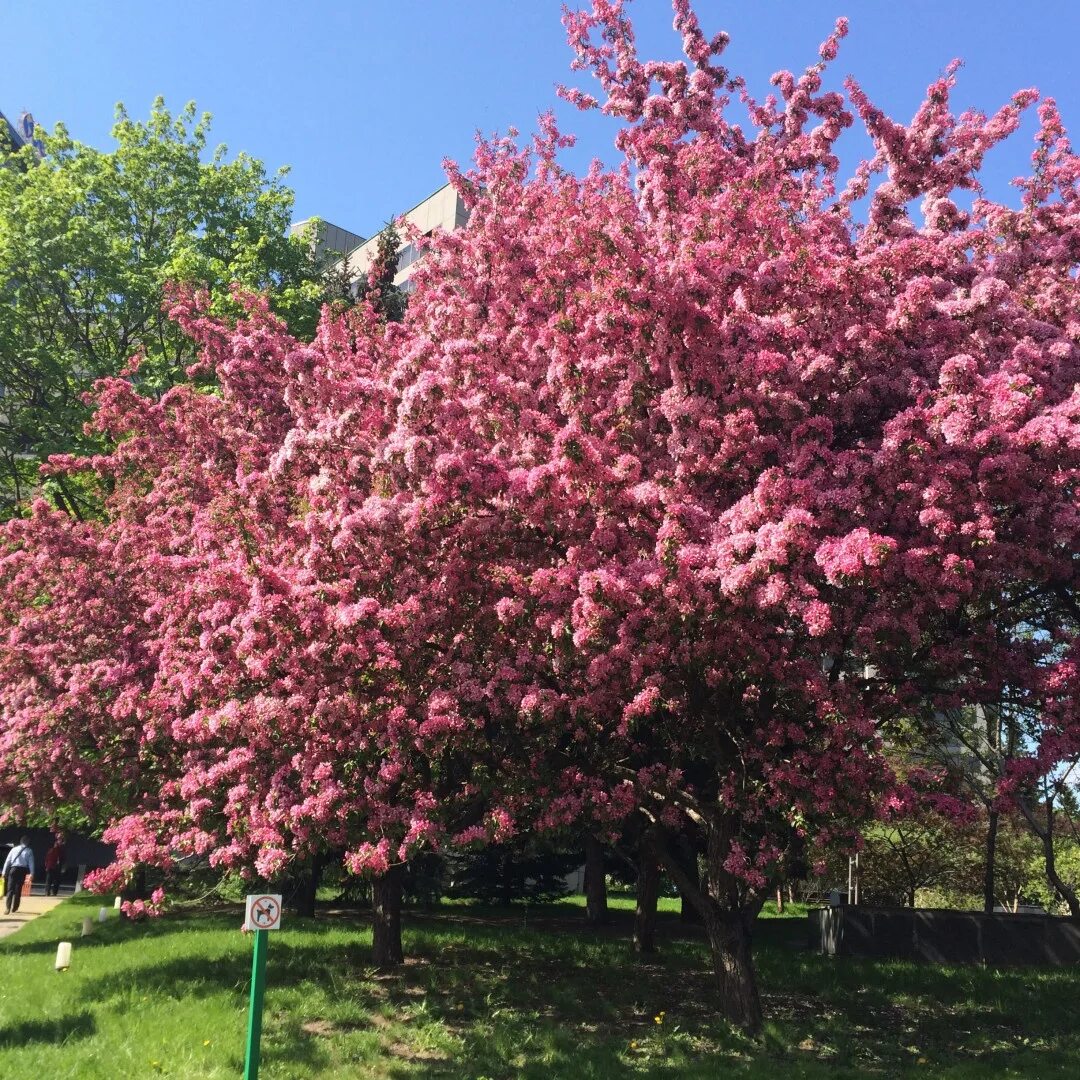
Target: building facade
x,y
326,238
20,132
441,211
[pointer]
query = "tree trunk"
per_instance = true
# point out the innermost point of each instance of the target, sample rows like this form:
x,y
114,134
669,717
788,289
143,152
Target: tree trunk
x,y
779,899
911,898
1064,891
689,914
728,911
729,942
991,856
648,889
686,853
507,879
1046,836
596,909
386,919
309,888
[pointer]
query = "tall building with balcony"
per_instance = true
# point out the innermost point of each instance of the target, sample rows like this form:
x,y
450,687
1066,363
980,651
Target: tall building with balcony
x,y
442,210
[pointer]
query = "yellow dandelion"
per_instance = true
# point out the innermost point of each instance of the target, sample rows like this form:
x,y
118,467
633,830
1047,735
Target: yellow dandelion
x,y
659,1017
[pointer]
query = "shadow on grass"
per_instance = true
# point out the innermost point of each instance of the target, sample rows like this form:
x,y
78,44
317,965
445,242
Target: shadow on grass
x,y
64,1029
524,995
299,1051
115,930
227,967
496,991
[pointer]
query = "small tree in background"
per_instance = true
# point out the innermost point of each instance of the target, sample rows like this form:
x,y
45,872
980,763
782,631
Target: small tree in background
x,y
1019,757
923,850
1019,877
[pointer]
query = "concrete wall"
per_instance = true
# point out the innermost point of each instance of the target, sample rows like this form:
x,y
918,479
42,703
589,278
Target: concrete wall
x,y
945,937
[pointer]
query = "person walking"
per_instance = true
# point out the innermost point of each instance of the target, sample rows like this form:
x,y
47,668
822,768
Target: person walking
x,y
55,858
17,867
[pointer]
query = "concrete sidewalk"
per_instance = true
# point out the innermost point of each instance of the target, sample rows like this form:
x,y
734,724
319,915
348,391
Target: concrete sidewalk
x,y
30,907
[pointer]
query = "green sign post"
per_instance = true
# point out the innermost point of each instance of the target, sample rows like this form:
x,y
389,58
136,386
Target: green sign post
x,y
262,914
255,1009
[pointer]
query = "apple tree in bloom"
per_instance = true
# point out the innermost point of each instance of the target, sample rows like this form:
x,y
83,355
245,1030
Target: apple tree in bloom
x,y
235,663
763,461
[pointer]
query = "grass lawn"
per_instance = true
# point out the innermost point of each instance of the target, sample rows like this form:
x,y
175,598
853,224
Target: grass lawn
x,y
503,993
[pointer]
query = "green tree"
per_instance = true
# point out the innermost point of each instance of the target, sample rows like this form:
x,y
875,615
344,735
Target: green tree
x,y
924,850
1020,873
1069,867
89,240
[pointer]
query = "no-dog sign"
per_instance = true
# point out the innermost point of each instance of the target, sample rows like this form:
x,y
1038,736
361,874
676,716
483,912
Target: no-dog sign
x,y
263,912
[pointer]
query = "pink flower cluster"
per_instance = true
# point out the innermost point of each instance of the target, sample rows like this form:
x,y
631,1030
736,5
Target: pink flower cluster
x,y
145,909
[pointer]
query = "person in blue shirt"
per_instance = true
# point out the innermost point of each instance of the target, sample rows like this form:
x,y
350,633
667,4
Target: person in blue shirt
x,y
17,867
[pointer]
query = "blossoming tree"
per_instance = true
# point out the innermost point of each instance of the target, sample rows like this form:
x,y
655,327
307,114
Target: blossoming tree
x,y
678,485
233,663
757,478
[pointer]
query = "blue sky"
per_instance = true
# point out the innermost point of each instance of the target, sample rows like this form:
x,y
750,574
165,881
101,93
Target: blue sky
x,y
363,98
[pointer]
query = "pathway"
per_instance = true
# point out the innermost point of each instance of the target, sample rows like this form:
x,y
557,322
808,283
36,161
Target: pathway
x,y
30,907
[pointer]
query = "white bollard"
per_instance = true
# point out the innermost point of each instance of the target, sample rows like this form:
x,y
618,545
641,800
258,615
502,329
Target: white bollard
x,y
63,956
117,902
87,927
103,914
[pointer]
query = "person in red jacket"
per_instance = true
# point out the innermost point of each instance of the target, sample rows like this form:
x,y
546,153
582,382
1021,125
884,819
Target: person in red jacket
x,y
54,866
